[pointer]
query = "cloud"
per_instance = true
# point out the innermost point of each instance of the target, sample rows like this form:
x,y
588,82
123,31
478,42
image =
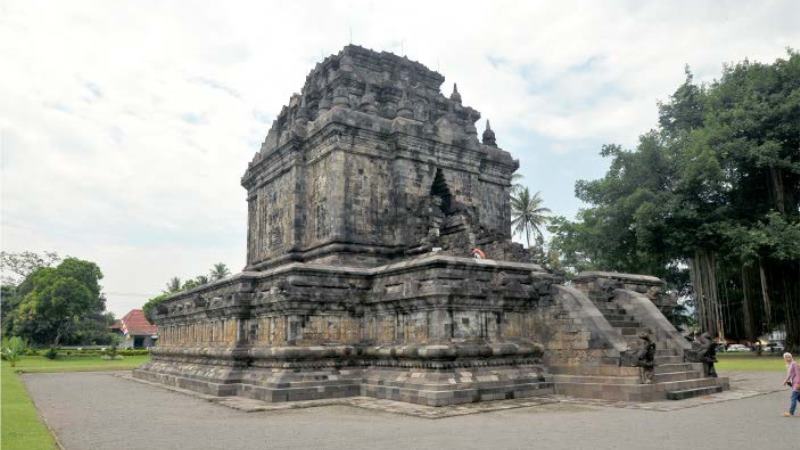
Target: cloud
x,y
125,127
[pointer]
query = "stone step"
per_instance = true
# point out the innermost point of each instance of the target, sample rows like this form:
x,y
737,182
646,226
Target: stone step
x,y
630,331
667,352
680,367
624,323
613,312
625,391
693,383
689,393
661,360
614,317
595,379
676,376
606,370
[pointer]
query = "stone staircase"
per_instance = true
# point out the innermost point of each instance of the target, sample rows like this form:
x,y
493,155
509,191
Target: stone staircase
x,y
674,378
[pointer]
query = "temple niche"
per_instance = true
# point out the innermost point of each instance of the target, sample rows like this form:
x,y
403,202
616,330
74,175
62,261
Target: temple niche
x,y
366,202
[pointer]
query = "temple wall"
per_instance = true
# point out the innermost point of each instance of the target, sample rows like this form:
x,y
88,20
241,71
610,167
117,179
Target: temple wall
x,y
272,217
202,333
369,218
324,195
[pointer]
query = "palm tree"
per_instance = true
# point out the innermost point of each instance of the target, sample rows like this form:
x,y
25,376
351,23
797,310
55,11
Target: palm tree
x,y
173,285
527,214
516,186
219,271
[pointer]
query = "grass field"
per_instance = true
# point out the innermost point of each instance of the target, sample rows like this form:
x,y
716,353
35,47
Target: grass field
x,y
21,428
40,364
749,362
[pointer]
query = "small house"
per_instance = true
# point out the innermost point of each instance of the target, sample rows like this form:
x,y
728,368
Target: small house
x,y
136,330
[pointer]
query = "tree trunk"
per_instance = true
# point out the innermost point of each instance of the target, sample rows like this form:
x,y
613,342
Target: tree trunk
x,y
702,269
747,311
776,179
528,236
791,293
765,295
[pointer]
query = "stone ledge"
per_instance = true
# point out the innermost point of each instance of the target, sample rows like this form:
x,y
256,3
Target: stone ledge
x,y
382,405
624,277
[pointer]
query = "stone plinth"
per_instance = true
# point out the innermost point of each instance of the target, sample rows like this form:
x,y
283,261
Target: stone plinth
x,y
435,330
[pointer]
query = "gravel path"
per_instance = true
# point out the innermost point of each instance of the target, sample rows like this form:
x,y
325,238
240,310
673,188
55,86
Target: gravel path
x,y
100,411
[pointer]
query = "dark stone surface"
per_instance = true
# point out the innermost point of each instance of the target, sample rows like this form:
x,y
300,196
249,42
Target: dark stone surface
x,y
365,202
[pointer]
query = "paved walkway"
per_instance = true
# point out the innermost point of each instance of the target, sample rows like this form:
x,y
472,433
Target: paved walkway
x,y
103,411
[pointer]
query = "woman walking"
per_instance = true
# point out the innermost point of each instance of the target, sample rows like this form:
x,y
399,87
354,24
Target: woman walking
x,y
793,381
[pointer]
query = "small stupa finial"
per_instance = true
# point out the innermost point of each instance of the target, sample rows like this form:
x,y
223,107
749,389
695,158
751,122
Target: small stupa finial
x,y
488,135
455,96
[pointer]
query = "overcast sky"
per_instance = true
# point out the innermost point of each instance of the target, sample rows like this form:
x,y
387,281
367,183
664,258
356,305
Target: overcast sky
x,y
126,126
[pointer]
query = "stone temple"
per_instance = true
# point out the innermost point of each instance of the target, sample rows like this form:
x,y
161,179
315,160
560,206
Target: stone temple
x,y
365,203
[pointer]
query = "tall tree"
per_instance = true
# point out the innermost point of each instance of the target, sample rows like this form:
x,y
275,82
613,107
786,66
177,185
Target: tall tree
x,y
173,285
709,200
219,271
15,267
528,216
56,301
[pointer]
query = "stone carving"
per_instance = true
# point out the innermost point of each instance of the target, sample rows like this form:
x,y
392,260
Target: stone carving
x,y
704,350
646,358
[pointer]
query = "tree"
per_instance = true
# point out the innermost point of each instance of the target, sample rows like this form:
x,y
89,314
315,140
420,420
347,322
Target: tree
x,y
54,301
195,282
710,201
13,349
516,186
17,266
219,271
173,285
151,305
527,214
9,300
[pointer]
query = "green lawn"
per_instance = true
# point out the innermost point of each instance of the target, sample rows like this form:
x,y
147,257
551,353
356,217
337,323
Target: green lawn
x,y
39,364
20,426
747,362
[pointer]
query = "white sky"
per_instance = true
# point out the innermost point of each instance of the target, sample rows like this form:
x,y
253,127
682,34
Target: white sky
x,y
126,126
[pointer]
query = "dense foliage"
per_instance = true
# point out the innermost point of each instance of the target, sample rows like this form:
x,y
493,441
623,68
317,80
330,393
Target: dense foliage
x,y
710,200
57,305
218,272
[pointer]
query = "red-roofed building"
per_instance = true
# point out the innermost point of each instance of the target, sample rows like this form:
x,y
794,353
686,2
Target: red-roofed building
x,y
136,330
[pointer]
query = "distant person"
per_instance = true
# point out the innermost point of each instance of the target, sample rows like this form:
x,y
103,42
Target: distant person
x,y
793,381
759,349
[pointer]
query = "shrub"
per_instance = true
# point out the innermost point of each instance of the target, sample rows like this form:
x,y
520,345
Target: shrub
x,y
51,353
134,352
151,305
13,349
111,352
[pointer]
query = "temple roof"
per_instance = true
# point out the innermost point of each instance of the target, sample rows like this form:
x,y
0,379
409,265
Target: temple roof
x,y
358,85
